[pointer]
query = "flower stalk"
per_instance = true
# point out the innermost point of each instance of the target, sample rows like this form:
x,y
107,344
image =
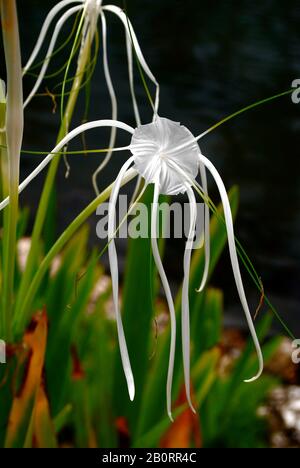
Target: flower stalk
x,y
4,177
50,179
14,124
3,148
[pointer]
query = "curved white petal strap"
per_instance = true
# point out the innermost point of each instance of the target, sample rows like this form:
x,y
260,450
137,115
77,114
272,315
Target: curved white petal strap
x,y
204,189
185,310
44,68
130,31
206,228
168,293
131,80
51,15
113,100
77,131
234,259
113,263
134,102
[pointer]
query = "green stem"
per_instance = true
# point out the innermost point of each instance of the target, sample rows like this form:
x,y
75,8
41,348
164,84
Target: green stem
x,y
82,61
247,108
4,182
3,144
14,135
49,183
25,311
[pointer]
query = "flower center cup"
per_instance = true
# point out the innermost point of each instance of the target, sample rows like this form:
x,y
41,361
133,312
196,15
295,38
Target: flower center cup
x,y
160,146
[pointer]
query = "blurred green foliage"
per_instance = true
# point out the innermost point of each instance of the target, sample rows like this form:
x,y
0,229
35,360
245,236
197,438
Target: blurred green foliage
x,y
79,398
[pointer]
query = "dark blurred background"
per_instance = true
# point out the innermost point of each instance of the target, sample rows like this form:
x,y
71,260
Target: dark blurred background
x,y
211,59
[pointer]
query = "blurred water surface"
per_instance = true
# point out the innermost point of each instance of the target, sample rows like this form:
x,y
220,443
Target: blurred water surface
x,y
211,58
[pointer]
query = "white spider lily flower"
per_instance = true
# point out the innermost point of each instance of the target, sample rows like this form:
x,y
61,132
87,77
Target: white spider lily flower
x,y
93,10
166,154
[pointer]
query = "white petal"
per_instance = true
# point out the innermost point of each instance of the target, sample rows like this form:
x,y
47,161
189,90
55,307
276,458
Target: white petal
x,y
131,80
113,262
114,104
51,15
185,310
185,176
77,131
57,30
130,31
169,298
234,259
206,229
